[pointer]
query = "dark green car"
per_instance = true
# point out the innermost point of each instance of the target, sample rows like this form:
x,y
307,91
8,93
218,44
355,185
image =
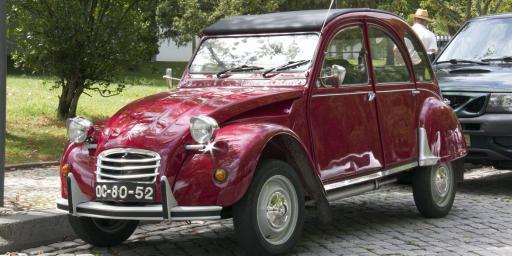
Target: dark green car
x,y
475,75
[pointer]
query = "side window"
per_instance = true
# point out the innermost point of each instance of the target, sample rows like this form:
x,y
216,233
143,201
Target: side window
x,y
419,58
388,62
345,62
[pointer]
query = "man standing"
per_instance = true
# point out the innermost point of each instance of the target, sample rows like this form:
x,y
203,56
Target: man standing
x,y
428,38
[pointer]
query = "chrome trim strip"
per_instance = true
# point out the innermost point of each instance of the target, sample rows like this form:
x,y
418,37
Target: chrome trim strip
x,y
426,158
127,176
150,157
76,195
371,176
196,208
195,147
91,146
398,90
339,94
427,90
127,168
170,201
129,160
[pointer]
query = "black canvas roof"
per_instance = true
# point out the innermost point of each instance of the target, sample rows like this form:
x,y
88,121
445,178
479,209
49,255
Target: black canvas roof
x,y
310,20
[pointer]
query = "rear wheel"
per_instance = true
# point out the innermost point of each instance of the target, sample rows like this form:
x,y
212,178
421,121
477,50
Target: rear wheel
x,y
434,189
269,218
102,232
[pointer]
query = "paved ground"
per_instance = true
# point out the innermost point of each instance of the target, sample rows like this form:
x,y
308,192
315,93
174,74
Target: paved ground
x,y
380,223
32,189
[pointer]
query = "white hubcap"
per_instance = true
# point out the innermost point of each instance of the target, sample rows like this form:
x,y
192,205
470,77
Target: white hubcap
x,y
277,210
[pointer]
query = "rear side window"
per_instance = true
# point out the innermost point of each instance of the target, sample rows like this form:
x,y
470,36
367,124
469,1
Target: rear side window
x,y
388,62
420,61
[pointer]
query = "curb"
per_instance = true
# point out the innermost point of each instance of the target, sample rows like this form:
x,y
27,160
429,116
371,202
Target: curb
x,y
12,167
33,229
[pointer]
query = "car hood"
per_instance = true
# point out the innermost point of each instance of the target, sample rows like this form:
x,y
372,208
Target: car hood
x,y
469,78
155,122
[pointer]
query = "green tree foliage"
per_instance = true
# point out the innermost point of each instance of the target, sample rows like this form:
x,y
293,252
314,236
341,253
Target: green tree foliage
x,y
182,20
450,15
85,44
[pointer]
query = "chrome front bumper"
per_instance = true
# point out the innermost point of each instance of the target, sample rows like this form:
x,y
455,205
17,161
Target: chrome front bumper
x,y
79,205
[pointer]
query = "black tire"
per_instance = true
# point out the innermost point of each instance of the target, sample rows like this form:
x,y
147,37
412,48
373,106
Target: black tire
x,y
264,190
102,232
434,199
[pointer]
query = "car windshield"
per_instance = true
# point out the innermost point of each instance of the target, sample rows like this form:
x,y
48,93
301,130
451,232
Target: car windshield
x,y
254,53
481,40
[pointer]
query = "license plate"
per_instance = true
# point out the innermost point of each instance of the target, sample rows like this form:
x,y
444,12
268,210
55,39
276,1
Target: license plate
x,y
125,192
467,138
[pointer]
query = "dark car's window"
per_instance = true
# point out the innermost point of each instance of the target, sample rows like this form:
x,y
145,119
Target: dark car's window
x,y
388,62
481,39
419,58
346,50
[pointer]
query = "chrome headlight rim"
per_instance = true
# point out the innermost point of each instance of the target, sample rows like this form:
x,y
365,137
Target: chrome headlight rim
x,y
78,129
202,128
499,103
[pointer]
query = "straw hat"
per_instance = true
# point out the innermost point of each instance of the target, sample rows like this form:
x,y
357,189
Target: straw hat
x,y
422,14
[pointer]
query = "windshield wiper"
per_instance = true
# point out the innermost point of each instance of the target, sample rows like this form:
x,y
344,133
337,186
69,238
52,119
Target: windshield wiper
x,y
289,65
504,59
458,61
242,68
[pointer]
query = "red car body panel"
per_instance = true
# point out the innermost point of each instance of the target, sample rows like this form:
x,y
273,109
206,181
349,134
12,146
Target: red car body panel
x,y
251,111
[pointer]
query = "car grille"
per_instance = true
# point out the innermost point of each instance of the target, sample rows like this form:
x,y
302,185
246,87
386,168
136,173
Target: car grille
x,y
126,164
467,104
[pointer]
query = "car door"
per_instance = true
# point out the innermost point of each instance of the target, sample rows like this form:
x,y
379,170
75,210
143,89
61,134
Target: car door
x,y
395,96
343,114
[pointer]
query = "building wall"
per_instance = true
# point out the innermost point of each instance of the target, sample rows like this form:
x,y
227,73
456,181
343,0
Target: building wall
x,y
168,51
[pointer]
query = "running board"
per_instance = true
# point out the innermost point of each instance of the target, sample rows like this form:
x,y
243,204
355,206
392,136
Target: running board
x,y
358,189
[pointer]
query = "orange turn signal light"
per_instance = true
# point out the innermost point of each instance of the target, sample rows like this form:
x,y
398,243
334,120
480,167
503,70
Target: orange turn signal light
x,y
220,175
65,169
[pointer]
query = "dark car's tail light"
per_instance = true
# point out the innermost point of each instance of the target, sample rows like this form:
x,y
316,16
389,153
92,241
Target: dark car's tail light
x,y
135,165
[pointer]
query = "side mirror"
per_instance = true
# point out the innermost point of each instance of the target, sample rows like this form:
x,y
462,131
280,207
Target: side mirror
x,y
168,77
338,72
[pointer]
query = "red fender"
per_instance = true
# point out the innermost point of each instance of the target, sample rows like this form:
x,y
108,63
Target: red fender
x,y
238,149
440,134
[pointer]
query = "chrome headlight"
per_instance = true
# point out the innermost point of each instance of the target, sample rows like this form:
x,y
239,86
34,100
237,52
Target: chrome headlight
x,y
202,128
500,103
78,129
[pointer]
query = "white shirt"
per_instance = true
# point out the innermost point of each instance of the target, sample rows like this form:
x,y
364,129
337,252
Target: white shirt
x,y
427,38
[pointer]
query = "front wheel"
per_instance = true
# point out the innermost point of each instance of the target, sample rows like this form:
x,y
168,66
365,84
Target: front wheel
x,y
434,189
269,218
102,232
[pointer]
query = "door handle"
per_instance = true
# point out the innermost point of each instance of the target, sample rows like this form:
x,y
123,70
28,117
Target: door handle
x,y
415,92
371,96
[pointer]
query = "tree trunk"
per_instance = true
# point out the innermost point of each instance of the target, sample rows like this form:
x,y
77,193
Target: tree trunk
x,y
68,101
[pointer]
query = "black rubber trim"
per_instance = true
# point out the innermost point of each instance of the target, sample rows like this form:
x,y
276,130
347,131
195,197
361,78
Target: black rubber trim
x,y
120,214
163,192
195,214
70,195
62,207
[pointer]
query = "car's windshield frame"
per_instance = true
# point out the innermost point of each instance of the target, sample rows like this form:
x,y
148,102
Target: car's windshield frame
x,y
438,60
204,39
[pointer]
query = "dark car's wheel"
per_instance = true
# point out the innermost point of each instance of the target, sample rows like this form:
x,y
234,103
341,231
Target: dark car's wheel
x,y
102,232
434,189
269,218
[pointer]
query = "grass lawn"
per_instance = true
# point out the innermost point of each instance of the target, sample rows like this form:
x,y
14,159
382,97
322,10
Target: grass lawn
x,y
34,133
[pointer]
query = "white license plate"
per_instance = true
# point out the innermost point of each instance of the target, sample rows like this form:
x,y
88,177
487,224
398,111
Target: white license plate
x,y
125,192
